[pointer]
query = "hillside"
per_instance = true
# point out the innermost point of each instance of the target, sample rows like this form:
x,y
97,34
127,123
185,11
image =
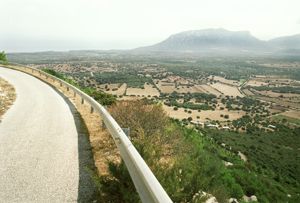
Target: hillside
x,y
188,161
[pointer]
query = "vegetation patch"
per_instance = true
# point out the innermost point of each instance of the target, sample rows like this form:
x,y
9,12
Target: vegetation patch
x,y
3,56
101,97
132,79
282,89
187,161
270,154
286,119
7,96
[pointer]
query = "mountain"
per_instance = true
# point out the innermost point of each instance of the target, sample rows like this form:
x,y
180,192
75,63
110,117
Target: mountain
x,y
222,41
288,42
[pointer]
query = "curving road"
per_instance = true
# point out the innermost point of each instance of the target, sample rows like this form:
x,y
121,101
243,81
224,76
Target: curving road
x,y
39,152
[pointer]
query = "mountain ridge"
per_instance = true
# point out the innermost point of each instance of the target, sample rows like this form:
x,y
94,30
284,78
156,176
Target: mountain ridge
x,y
222,40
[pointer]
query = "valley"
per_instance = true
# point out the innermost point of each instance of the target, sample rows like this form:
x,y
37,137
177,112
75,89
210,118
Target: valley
x,y
238,113
201,92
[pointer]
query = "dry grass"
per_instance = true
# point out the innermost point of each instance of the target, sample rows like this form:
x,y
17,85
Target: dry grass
x,y
248,92
148,90
276,94
115,89
227,89
210,90
223,80
7,96
165,87
292,114
279,101
104,148
256,83
189,89
204,115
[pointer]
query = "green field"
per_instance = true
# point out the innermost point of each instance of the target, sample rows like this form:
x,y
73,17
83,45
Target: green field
x,y
286,119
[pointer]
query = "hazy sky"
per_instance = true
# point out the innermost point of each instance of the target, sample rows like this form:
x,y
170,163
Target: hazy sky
x,y
36,25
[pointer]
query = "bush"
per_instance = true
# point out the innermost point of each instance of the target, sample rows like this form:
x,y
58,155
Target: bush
x,y
3,56
141,118
170,151
101,97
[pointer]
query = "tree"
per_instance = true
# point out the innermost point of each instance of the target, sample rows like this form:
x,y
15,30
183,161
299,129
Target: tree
x,y
3,56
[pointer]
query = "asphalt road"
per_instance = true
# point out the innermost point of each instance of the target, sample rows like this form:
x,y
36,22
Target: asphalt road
x,y
39,152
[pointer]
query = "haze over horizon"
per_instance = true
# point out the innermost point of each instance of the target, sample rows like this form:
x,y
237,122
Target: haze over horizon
x,y
34,25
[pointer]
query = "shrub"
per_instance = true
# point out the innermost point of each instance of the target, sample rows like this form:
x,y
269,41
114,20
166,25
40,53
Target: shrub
x,y
3,56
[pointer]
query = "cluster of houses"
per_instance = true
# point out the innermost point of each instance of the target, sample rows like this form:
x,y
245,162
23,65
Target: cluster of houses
x,y
209,125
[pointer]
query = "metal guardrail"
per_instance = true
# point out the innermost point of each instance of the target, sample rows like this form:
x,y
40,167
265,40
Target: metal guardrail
x,y
146,184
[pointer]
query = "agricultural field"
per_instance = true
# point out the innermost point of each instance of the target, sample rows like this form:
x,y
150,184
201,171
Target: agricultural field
x,y
256,83
165,87
114,89
210,90
288,117
292,114
204,116
227,89
224,80
147,91
189,89
273,83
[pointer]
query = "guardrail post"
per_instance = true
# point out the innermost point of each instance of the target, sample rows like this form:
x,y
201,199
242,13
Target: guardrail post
x,y
60,84
103,124
68,88
127,132
74,94
82,101
92,109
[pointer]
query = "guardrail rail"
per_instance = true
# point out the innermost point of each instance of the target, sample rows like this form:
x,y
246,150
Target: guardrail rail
x,y
146,184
